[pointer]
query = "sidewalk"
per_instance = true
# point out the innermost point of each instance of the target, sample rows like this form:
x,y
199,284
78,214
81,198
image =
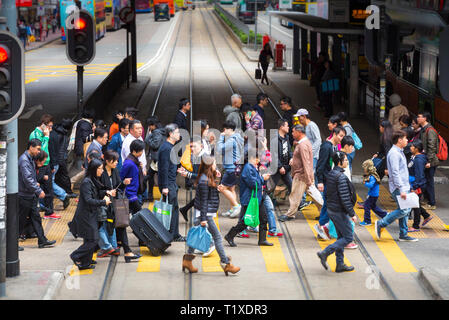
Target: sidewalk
x,y
50,38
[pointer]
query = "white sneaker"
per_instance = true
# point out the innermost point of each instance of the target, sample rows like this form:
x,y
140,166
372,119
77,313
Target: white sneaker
x,y
227,213
209,252
197,252
251,229
321,232
235,211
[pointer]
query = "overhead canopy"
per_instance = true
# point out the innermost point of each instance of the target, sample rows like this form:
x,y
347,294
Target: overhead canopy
x,y
317,24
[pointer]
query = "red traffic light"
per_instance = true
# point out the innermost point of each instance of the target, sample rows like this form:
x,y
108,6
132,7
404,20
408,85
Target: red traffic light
x,y
4,54
80,24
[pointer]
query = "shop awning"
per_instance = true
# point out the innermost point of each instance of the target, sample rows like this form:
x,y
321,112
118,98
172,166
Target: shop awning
x,y
317,24
24,3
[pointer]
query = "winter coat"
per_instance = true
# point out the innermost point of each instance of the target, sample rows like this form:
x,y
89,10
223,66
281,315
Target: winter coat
x,y
394,115
340,193
207,199
284,151
154,141
416,168
27,177
57,145
249,178
39,135
83,131
86,213
233,114
429,138
323,165
167,170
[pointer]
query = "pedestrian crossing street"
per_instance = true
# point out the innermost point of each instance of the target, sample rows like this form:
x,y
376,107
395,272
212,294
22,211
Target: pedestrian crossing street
x,y
275,257
35,73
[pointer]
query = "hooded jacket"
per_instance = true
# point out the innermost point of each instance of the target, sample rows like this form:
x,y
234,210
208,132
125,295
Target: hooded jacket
x,y
416,168
233,114
57,145
231,149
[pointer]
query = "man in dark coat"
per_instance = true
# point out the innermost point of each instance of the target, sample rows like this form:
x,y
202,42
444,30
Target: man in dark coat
x,y
181,117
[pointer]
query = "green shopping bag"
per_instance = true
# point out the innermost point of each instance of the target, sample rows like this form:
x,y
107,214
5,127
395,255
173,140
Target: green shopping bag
x,y
162,211
251,217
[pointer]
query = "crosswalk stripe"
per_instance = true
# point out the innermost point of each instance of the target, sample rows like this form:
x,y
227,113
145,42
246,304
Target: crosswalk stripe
x,y
148,263
274,257
388,246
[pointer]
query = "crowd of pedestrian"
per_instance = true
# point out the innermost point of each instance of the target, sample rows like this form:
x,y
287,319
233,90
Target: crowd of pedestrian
x,y
123,160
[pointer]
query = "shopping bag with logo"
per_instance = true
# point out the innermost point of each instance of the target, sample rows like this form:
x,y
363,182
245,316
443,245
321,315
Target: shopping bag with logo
x,y
199,238
121,210
251,217
162,210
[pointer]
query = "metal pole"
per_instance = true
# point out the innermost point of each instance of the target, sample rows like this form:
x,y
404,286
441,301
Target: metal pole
x,y
127,56
11,171
255,26
79,71
133,44
269,15
3,221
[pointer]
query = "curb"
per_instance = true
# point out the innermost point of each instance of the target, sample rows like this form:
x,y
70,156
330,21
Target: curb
x,y
431,280
55,283
43,44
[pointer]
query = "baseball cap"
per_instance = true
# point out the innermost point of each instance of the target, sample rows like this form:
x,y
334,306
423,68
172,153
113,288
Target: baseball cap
x,y
302,112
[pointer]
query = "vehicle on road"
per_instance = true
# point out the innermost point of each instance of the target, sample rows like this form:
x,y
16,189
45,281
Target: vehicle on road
x,y
143,6
112,9
95,7
171,5
297,6
161,11
226,2
180,5
245,10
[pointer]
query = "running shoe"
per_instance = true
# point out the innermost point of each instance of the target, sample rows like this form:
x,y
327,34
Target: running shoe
x,y
408,239
304,204
352,245
243,234
426,221
364,224
52,216
209,252
275,234
377,229
227,213
235,211
413,230
326,231
321,232
255,230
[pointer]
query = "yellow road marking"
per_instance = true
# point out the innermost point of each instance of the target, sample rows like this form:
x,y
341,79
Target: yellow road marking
x,y
388,246
212,262
148,263
274,257
76,272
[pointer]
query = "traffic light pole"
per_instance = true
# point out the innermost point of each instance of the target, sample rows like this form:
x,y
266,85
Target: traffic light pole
x,y
79,72
133,45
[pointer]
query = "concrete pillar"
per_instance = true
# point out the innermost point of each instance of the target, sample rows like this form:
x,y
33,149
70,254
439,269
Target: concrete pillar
x,y
296,51
313,45
303,49
324,42
354,76
336,53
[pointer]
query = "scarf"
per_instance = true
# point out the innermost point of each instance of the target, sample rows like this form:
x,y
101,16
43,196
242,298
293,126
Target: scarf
x,y
369,167
136,161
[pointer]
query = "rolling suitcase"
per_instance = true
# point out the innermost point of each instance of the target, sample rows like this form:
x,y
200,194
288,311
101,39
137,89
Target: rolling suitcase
x,y
149,230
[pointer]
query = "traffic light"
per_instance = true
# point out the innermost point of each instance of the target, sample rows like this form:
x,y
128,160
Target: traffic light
x,y
80,43
12,80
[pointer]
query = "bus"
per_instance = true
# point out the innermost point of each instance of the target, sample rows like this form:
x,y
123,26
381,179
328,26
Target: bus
x,y
297,6
245,10
226,2
112,9
143,6
415,76
95,7
180,5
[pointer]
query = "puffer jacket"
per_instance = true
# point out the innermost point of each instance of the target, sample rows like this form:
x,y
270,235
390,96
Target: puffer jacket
x,y
57,146
207,199
340,193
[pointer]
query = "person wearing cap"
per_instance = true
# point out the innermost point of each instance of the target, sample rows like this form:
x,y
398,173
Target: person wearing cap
x,y
397,111
312,133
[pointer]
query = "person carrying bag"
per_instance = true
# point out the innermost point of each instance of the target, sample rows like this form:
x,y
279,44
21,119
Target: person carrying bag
x,y
163,210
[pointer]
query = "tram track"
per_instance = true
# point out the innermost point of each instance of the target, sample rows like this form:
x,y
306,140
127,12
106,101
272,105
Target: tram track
x,y
292,249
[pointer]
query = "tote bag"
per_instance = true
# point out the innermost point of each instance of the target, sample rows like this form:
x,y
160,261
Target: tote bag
x,y
252,212
163,211
121,211
199,238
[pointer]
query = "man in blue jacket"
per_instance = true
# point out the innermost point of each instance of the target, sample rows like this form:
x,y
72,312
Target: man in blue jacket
x,y
167,170
251,180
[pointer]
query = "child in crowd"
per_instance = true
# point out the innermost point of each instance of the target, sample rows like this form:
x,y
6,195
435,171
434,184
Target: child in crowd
x,y
416,169
371,181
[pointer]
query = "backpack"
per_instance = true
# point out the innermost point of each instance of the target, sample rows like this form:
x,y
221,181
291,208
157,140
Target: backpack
x,y
442,146
357,142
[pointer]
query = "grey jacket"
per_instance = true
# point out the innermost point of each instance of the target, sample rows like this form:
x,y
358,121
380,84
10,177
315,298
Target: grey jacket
x,y
28,186
233,114
398,177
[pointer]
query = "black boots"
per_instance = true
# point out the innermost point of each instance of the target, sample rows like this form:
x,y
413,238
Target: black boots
x,y
343,268
263,236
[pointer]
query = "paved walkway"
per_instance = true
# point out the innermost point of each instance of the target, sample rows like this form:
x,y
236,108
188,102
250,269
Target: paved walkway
x,y
38,44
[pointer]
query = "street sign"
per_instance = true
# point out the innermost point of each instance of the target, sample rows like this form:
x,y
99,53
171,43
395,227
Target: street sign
x,y
285,4
127,15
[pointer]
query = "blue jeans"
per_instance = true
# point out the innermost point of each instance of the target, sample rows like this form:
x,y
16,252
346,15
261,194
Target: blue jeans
x,y
216,235
106,242
345,236
402,215
324,217
270,213
57,190
351,157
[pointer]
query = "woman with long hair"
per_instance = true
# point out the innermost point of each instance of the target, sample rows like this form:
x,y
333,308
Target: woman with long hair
x,y
113,184
207,201
86,215
386,130
264,60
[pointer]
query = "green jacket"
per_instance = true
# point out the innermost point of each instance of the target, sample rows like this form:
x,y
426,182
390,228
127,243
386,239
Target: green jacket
x,y
430,142
39,135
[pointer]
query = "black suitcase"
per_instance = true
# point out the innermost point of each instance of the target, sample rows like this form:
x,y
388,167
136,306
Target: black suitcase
x,y
258,74
149,230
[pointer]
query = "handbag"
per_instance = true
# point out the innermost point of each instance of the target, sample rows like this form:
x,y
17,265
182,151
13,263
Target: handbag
x,y
251,217
258,74
199,238
102,214
186,160
121,211
163,210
